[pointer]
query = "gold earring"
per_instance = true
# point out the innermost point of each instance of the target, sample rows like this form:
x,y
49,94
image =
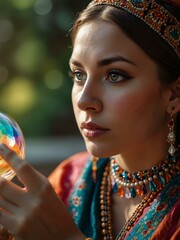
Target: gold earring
x,y
171,137
94,168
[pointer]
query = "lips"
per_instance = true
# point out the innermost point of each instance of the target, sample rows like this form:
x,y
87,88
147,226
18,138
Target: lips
x,y
92,130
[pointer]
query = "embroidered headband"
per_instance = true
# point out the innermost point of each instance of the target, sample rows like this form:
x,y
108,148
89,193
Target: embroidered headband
x,y
154,15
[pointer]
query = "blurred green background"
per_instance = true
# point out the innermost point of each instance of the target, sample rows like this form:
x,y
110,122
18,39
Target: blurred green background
x,y
35,88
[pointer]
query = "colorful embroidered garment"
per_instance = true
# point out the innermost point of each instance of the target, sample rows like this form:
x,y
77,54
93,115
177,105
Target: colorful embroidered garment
x,y
159,220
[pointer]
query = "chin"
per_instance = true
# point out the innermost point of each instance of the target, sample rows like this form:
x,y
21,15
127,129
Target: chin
x,y
99,151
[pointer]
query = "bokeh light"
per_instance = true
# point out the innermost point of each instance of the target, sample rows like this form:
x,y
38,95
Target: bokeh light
x,y
64,19
6,30
43,7
3,74
29,55
19,95
54,79
22,4
34,56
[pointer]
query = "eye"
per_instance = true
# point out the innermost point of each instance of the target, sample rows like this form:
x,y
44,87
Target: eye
x,y
116,76
78,75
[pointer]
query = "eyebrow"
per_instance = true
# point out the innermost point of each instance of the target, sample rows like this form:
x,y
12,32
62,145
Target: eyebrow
x,y
74,62
110,60
105,62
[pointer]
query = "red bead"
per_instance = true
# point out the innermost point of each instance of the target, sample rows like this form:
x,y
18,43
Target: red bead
x,y
120,191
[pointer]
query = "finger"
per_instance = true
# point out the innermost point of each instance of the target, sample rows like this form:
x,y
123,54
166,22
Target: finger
x,y
5,234
8,206
11,192
23,227
7,220
27,174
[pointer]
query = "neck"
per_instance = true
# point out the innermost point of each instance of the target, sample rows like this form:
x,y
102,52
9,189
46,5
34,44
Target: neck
x,y
142,157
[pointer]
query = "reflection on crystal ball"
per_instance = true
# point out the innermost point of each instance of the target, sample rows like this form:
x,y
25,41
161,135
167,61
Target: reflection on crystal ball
x,y
10,135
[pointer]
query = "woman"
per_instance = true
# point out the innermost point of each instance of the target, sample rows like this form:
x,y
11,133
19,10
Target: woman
x,y
126,100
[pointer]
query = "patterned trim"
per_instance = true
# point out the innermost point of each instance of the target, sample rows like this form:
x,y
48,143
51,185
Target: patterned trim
x,y
147,225
154,15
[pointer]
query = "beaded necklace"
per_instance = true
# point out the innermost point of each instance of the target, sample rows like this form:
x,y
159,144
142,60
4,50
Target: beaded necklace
x,y
106,192
130,185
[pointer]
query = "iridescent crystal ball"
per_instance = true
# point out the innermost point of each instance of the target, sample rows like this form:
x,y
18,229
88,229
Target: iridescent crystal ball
x,y
12,136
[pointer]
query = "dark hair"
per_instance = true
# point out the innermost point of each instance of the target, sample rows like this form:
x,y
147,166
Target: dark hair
x,y
154,45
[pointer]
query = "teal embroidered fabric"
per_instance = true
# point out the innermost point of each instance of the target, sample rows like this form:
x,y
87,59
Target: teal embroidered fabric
x,y
84,204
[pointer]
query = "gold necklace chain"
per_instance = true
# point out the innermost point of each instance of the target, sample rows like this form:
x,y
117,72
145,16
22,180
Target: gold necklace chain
x,y
105,205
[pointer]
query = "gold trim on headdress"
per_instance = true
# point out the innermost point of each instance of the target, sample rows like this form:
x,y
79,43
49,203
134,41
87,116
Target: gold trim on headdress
x,y
153,14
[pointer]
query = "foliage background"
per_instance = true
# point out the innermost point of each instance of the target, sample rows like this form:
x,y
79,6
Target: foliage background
x,y
35,87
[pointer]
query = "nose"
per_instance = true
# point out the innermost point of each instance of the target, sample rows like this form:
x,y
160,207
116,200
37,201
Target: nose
x,y
89,97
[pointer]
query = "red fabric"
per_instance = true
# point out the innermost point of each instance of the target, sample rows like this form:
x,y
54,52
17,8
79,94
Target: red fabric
x,y
176,235
169,228
64,177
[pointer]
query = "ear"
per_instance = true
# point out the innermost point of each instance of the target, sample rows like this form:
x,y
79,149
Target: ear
x,y
174,100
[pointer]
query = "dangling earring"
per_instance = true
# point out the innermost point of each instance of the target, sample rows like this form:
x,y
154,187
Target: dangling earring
x,y
94,168
171,137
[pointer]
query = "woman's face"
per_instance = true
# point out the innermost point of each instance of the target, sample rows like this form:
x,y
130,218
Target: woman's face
x,y
118,101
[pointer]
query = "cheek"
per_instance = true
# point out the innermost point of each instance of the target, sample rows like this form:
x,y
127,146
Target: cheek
x,y
74,101
136,104
74,104
73,98
126,103
74,95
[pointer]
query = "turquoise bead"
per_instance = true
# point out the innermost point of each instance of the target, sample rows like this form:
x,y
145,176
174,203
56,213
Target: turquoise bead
x,y
125,175
115,187
174,34
133,192
152,186
162,180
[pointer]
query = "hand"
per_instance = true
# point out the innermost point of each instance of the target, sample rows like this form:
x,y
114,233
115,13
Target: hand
x,y
34,211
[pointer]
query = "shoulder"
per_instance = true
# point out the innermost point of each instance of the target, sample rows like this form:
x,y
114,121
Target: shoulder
x,y
64,177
